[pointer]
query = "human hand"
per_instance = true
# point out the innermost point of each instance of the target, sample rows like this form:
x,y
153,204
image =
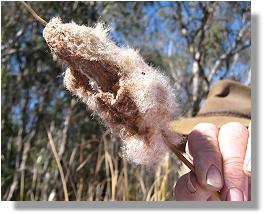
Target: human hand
x,y
222,162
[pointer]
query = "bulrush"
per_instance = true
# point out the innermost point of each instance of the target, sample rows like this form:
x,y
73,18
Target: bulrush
x,y
132,98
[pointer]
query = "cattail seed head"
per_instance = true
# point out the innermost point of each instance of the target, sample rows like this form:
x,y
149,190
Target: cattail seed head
x,y
117,84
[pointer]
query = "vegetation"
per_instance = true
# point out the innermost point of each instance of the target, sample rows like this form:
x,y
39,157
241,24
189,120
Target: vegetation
x,y
194,43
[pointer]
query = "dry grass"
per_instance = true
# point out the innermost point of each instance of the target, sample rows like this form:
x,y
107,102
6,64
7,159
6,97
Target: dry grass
x,y
56,157
88,169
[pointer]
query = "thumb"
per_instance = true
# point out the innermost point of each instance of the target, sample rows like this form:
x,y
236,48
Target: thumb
x,y
188,189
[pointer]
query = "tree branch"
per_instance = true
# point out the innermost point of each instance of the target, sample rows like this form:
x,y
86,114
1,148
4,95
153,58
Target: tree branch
x,y
229,54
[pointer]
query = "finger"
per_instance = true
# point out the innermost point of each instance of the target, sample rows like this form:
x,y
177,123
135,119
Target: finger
x,y
247,160
232,142
188,189
207,160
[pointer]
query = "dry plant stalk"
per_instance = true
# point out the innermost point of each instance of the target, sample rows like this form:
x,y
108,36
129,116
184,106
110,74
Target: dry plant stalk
x,y
34,14
55,154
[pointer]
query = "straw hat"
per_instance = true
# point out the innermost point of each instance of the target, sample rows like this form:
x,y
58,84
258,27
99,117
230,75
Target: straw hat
x,y
227,101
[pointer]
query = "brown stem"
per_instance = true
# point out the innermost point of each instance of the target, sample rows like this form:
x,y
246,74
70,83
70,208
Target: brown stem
x,y
173,148
34,14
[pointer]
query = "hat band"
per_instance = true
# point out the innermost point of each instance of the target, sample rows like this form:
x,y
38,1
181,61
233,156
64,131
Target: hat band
x,y
225,113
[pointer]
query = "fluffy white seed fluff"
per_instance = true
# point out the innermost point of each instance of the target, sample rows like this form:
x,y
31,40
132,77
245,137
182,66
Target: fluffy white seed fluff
x,y
118,85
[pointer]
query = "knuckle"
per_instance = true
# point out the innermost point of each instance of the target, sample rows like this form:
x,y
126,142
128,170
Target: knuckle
x,y
233,126
234,163
233,136
203,132
200,137
205,127
203,143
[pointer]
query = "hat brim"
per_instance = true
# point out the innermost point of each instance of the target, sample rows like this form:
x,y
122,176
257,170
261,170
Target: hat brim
x,y
185,125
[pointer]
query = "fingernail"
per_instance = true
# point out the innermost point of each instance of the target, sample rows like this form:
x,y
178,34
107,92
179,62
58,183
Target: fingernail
x,y
214,178
190,186
234,194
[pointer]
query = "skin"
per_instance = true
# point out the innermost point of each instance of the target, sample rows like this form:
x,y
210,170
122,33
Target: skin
x,y
222,162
